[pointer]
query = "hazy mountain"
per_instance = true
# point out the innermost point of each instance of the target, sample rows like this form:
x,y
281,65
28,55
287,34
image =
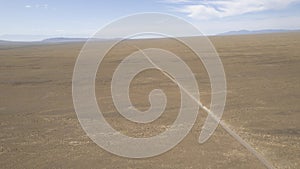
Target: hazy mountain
x,y
25,38
11,38
264,31
62,39
36,38
56,40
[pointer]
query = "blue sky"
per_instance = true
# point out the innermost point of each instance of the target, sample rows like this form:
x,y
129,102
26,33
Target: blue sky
x,y
82,18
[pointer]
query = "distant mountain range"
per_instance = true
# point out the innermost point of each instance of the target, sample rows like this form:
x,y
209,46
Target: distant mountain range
x,y
53,40
62,39
37,38
264,31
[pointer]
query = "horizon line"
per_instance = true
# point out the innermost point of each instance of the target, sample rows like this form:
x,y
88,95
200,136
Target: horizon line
x,y
81,38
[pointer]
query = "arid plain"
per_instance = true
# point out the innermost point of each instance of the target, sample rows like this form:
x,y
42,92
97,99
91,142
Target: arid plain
x,y
39,127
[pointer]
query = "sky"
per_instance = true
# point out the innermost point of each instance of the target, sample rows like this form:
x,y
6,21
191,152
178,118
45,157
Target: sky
x,y
39,19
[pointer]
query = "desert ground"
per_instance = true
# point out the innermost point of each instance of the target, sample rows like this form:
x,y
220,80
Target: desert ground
x,y
39,127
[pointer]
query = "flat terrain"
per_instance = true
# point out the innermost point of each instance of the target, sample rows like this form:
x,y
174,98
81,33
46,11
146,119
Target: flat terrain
x,y
39,127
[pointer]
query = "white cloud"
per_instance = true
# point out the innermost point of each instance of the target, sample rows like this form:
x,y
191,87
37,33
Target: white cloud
x,y
176,1
206,9
60,30
211,27
43,6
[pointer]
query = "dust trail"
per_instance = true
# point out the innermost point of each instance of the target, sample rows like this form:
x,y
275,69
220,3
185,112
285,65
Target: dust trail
x,y
222,123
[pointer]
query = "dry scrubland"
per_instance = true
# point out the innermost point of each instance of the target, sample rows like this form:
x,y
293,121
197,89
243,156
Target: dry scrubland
x,y
39,128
